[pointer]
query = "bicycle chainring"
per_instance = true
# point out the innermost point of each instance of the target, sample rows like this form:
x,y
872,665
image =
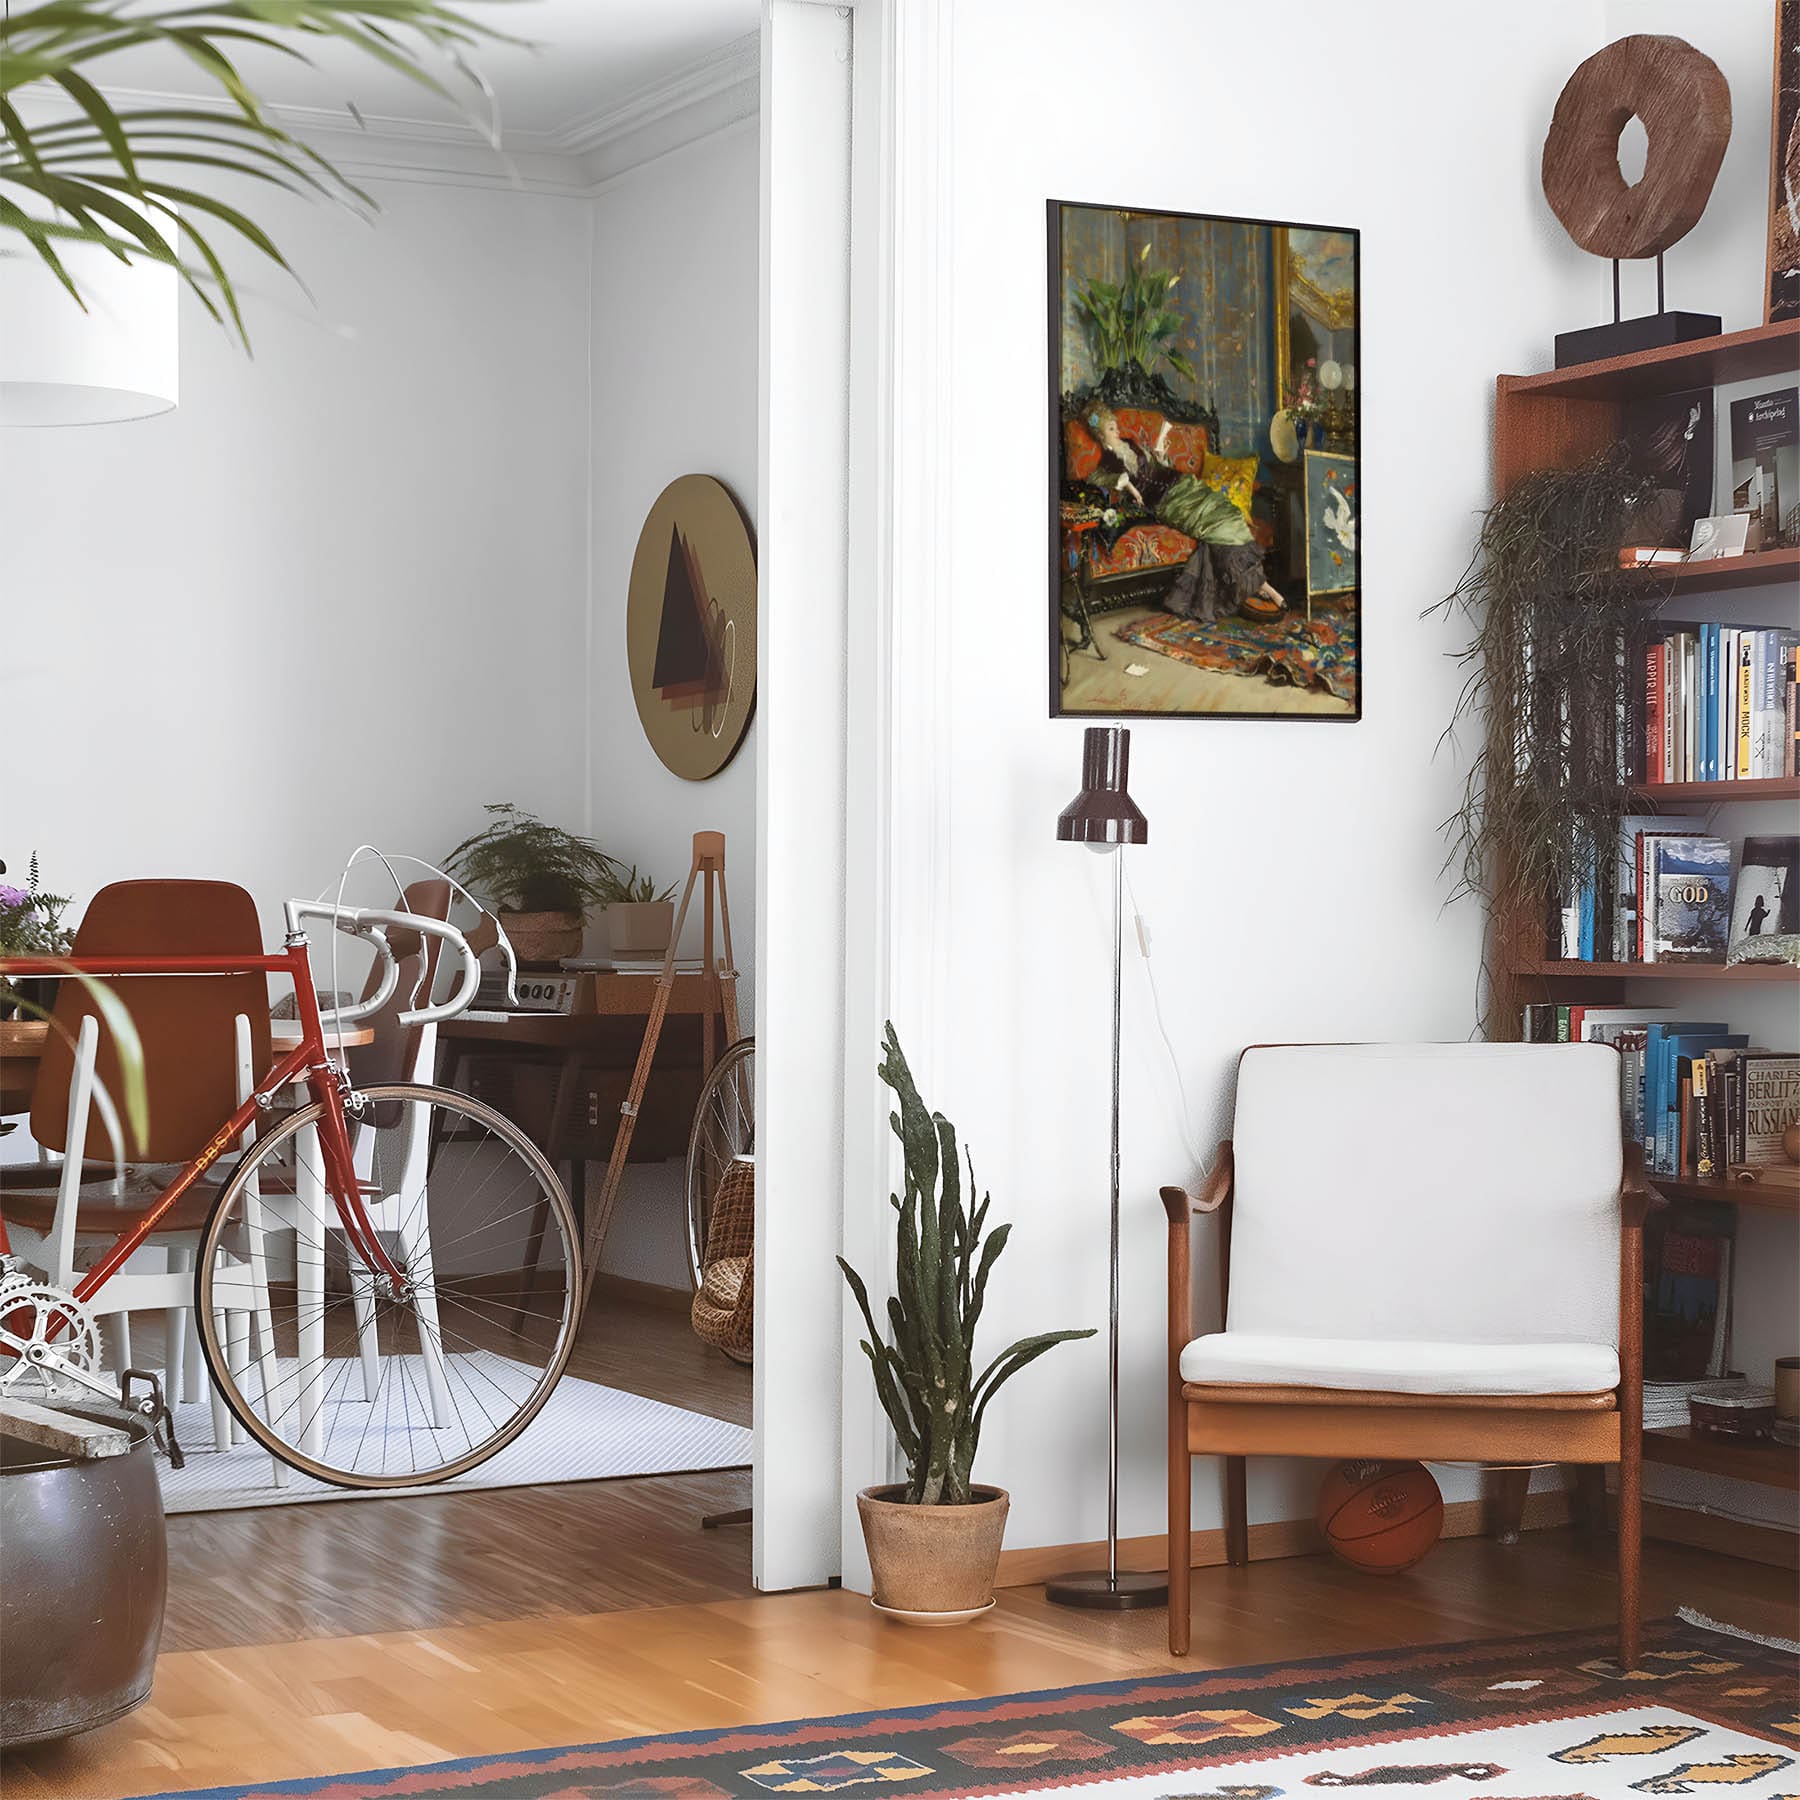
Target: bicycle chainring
x,y
34,1312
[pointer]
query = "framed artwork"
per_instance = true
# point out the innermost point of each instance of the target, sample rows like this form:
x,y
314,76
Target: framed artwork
x,y
690,626
1783,300
1204,504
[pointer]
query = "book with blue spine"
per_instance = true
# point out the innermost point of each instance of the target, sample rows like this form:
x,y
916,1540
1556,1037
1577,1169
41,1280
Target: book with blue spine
x,y
1656,1103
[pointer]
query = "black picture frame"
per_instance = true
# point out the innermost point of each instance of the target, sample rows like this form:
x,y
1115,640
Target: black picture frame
x,y
1058,556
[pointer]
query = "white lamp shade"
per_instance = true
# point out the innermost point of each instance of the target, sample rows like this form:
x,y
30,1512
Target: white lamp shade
x,y
61,366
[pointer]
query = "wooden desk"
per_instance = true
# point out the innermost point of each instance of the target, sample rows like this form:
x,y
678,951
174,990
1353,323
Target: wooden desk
x,y
561,1077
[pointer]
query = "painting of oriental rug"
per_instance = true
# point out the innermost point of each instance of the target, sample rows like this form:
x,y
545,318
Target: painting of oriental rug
x,y
1545,1718
1287,651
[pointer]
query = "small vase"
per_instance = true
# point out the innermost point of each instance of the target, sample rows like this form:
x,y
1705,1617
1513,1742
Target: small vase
x,y
639,928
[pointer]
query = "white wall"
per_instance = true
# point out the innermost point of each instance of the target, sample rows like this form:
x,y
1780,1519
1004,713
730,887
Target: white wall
x,y
674,348
1292,879
376,527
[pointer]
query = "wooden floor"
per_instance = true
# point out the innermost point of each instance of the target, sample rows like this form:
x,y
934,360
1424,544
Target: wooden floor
x,y
342,1703
282,1573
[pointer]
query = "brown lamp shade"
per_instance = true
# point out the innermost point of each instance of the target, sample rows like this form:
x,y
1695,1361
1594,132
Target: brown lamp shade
x,y
1103,812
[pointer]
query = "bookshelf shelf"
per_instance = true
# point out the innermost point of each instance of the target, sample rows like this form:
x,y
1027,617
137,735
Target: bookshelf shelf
x,y
1764,350
1656,971
1766,1198
1758,1460
1774,787
1759,568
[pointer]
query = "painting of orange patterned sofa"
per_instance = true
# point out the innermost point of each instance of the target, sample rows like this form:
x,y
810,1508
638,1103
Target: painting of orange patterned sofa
x,y
1150,554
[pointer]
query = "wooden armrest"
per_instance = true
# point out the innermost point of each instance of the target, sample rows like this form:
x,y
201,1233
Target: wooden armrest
x,y
1179,1204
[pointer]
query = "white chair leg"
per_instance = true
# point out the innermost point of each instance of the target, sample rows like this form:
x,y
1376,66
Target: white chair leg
x,y
415,1255
193,1361
115,1332
237,1359
368,1343
222,1421
175,1329
309,1270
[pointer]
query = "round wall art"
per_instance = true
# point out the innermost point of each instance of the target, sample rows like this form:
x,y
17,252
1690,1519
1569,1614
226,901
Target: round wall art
x,y
690,626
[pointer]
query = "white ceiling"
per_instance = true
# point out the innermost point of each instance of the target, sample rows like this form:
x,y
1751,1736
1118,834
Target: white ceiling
x,y
589,60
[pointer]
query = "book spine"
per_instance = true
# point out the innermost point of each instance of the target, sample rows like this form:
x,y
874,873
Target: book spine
x,y
1653,715
1705,1163
1709,704
1790,765
1727,738
1684,1124
1562,1024
1741,769
1670,665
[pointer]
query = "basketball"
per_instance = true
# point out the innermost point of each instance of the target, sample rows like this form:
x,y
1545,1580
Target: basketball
x,y
1380,1517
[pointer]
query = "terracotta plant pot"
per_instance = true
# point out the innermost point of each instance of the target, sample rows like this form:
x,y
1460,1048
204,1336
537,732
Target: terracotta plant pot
x,y
934,1565
542,939
640,928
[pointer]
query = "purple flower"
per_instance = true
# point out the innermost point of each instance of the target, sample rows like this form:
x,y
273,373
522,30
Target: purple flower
x,y
13,896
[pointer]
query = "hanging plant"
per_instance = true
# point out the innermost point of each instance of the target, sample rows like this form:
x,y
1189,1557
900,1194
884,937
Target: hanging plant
x,y
1549,682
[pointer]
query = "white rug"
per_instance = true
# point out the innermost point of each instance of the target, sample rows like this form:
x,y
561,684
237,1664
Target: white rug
x,y
586,1432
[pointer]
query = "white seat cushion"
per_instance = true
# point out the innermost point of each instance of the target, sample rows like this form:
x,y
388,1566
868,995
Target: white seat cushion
x,y
1401,1366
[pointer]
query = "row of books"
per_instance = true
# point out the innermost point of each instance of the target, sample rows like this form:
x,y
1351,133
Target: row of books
x,y
1678,894
1719,704
1699,1097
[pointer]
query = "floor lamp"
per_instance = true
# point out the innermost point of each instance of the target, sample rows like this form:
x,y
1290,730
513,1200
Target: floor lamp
x,y
1104,817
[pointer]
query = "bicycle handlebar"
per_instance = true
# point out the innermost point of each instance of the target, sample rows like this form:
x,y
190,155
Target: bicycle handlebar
x,y
373,925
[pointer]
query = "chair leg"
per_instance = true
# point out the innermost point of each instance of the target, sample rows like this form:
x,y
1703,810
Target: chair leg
x,y
1590,1499
1506,1502
175,1329
1237,1512
1630,1554
1181,1535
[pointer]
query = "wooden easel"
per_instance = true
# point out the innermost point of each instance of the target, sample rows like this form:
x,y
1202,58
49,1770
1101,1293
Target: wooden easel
x,y
720,977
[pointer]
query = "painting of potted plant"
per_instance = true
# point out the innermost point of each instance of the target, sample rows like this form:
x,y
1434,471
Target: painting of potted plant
x,y
934,1539
30,925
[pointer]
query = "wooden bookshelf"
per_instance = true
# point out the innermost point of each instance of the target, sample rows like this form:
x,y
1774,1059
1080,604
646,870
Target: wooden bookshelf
x,y
1765,1197
1761,352
1758,568
1743,1459
1714,793
1551,970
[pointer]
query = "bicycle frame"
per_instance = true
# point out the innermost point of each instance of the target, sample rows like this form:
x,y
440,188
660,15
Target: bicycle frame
x,y
308,1060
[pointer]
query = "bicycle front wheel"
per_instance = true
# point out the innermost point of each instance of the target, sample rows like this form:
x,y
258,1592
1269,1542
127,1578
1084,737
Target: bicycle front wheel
x,y
358,1379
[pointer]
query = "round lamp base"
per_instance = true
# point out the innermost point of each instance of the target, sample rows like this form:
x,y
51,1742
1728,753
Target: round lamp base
x,y
1099,1592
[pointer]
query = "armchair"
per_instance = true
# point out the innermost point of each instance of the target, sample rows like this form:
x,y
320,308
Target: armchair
x,y
1428,1251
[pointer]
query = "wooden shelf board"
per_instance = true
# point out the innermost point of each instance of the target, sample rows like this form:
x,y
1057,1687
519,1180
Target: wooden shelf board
x,y
1656,971
1755,569
1769,1198
1775,787
1759,1460
1765,350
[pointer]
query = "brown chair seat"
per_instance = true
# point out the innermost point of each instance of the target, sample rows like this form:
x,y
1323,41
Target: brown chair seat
x,y
31,1203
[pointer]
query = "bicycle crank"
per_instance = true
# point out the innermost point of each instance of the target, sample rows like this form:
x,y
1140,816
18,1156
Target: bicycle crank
x,y
47,1336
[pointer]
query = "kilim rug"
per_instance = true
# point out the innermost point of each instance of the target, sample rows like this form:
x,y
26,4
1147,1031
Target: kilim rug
x,y
1543,1718
1321,656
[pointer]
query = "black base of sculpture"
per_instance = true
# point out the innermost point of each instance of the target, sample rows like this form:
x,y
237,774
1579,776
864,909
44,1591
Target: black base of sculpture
x,y
1625,337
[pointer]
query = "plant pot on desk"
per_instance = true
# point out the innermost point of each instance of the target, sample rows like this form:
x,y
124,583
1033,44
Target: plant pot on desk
x,y
540,940
639,928
933,1565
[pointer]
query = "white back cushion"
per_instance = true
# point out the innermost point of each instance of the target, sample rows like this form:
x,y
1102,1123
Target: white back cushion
x,y
1456,1192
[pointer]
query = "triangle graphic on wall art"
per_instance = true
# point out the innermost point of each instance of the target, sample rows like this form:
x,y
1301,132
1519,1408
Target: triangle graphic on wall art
x,y
687,670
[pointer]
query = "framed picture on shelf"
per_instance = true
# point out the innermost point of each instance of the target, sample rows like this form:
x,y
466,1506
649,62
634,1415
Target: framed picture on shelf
x,y
1198,364
1783,299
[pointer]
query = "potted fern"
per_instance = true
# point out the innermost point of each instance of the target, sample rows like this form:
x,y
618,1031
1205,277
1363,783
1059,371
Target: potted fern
x,y
934,1539
542,878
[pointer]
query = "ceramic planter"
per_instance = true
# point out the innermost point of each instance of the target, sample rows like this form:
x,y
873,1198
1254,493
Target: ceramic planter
x,y
542,939
933,1565
640,928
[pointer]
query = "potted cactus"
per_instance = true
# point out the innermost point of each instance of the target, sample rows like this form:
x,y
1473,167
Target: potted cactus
x,y
934,1539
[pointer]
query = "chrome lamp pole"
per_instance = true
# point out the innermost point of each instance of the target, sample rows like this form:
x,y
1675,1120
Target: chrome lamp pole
x,y
1104,817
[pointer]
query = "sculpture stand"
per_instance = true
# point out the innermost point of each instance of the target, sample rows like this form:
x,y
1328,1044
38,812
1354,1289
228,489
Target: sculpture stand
x,y
1625,337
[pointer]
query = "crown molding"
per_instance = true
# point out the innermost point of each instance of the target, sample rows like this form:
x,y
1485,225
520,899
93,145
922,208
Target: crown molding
x,y
706,96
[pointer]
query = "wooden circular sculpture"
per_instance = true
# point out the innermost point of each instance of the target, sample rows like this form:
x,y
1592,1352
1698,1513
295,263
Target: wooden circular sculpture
x,y
1685,105
690,626
1380,1517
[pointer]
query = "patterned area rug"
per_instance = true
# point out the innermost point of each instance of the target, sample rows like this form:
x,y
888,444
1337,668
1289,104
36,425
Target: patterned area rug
x,y
1285,650
1545,1718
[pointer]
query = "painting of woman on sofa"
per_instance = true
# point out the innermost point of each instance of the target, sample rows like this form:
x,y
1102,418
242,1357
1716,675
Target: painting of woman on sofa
x,y
1179,577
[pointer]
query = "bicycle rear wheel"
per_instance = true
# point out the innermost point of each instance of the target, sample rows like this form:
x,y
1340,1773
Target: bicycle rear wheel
x,y
337,1370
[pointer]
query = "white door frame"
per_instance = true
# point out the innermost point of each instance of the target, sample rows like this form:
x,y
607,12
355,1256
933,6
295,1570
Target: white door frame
x,y
852,849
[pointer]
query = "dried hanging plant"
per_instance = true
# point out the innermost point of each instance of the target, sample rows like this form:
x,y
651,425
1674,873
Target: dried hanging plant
x,y
1549,679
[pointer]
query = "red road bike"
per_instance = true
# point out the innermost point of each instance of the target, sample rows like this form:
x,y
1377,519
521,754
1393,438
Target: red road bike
x,y
387,1280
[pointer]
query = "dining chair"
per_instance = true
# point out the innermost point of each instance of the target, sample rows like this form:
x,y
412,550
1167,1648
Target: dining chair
x,y
1425,1251
203,1041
